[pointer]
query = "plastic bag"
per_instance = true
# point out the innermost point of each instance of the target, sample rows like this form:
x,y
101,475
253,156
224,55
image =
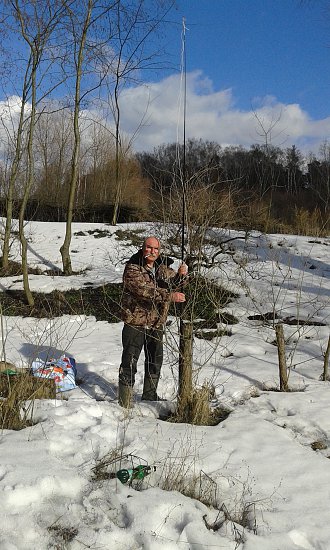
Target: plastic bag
x,y
63,371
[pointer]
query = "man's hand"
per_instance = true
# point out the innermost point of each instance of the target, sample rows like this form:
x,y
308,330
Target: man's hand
x,y
177,297
183,270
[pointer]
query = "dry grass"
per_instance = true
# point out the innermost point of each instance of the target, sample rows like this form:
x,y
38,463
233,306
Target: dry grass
x,y
17,394
180,474
195,408
62,536
106,466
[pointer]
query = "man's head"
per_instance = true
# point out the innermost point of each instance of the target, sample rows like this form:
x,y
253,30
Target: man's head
x,y
150,250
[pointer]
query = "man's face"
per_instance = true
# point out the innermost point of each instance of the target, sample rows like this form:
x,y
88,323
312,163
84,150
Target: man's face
x,y
151,250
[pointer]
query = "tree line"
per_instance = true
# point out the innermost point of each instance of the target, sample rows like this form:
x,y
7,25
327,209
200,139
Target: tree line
x,y
263,187
262,176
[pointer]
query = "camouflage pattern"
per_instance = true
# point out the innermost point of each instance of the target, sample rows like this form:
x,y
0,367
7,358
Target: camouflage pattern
x,y
146,294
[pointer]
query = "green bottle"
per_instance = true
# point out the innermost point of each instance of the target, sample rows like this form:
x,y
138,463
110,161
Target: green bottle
x,y
128,474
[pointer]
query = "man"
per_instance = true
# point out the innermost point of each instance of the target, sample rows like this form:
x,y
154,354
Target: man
x,y
150,285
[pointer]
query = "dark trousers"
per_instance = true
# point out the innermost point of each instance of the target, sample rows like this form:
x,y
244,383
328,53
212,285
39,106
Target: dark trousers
x,y
134,339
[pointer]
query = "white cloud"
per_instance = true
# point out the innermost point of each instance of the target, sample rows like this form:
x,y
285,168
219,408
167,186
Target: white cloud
x,y
213,115
9,115
153,112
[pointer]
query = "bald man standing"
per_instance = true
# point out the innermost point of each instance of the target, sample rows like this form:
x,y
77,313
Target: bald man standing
x,y
150,285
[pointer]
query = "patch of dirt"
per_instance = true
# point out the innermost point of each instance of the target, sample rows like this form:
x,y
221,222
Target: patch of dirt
x,y
271,316
14,269
102,302
319,445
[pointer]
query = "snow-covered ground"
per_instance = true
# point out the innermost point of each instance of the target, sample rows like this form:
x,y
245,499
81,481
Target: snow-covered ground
x,y
259,463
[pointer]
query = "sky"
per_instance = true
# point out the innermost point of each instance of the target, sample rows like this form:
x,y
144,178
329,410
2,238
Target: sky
x,y
261,48
270,457
269,57
257,70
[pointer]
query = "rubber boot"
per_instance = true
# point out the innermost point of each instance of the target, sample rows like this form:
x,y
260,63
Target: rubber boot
x,y
125,396
150,389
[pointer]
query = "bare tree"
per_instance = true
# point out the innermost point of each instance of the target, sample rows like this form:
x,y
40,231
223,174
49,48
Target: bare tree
x,y
113,57
53,149
36,21
18,143
135,27
320,175
80,29
206,246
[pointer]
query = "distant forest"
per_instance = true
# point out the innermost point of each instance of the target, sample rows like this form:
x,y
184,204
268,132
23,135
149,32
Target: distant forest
x,y
264,187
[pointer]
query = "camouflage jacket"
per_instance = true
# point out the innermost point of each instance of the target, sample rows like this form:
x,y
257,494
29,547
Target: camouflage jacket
x,y
146,293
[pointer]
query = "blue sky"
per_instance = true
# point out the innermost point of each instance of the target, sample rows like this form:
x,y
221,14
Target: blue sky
x,y
261,47
250,64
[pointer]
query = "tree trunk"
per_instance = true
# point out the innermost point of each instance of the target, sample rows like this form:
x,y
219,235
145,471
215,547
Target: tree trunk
x,y
29,183
13,173
326,362
185,362
117,201
65,248
281,358
9,217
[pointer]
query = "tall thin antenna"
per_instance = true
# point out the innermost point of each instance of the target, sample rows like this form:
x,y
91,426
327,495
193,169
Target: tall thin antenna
x,y
184,65
186,339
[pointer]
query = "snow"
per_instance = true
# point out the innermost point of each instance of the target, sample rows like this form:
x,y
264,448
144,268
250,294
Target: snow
x,y
259,459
